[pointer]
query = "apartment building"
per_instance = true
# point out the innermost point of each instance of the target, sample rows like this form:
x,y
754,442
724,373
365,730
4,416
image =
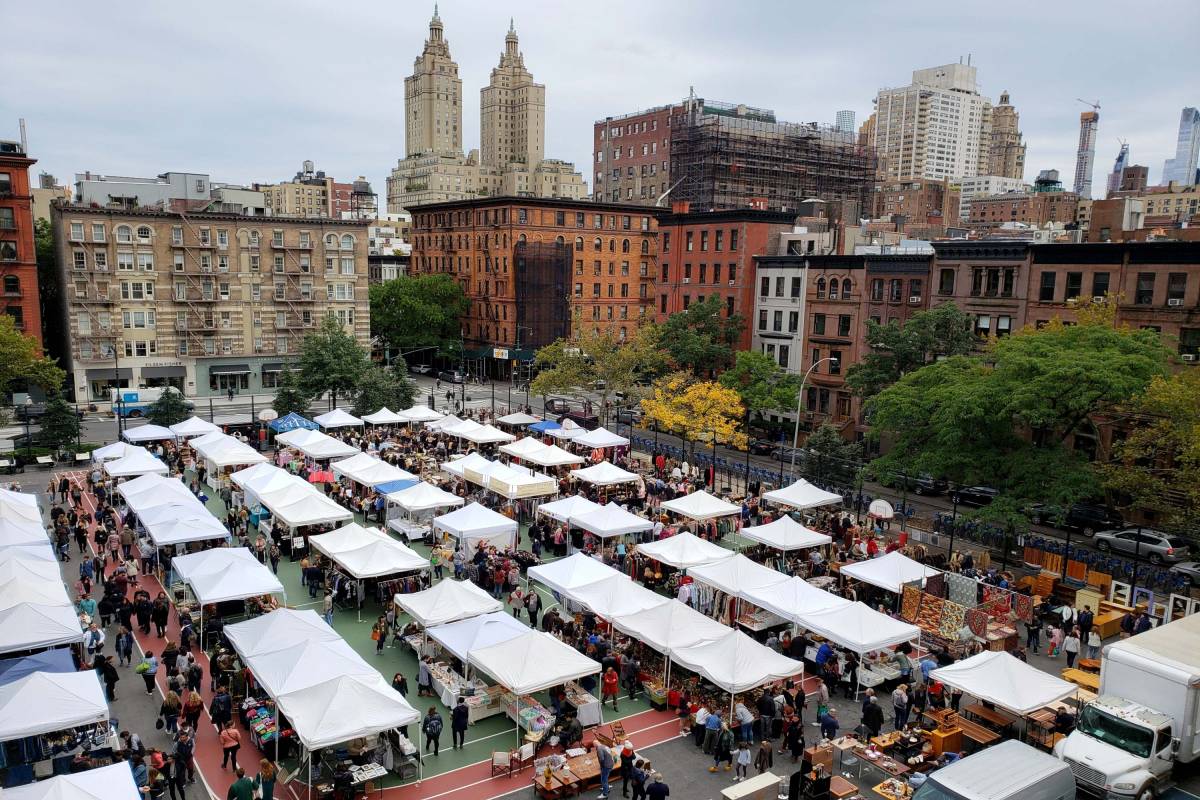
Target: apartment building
x,y
632,155
18,254
533,267
1028,208
205,302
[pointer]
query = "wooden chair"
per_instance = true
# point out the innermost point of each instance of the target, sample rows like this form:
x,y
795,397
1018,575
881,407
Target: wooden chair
x,y
522,757
502,763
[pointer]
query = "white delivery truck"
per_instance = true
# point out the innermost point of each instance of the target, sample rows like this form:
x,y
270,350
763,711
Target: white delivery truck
x,y
1010,770
1144,721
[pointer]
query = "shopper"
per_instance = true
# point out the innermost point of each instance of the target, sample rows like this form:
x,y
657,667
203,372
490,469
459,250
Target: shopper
x,y
900,706
264,781
431,726
460,718
242,788
741,761
231,742
1070,646
605,758
764,759
148,668
610,686
1093,644
872,716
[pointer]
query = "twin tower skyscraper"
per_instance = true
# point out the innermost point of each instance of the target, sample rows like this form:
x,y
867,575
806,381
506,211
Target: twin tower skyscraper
x,y
511,157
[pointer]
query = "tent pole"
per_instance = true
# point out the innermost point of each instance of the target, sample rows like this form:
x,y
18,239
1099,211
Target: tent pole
x,y
309,777
202,628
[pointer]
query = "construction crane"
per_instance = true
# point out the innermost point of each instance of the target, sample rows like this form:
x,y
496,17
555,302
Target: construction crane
x,y
1095,106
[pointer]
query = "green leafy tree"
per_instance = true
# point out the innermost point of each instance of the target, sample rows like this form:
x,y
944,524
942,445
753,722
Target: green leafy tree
x,y
49,291
60,423
169,409
19,360
332,361
828,455
702,339
895,349
760,383
381,387
419,311
289,396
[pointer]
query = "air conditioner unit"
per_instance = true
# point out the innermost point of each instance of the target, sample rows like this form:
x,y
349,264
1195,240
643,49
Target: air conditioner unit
x,y
916,298
1072,301
1189,357
258,348
1175,302
733,283
1098,299
687,280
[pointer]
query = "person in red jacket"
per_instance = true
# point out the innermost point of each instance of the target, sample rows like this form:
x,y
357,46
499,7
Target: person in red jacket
x,y
609,686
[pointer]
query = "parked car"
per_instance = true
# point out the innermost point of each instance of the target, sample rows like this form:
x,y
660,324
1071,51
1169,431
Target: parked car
x,y
629,416
589,421
918,484
420,369
761,447
1155,546
35,412
450,376
974,495
1189,570
557,405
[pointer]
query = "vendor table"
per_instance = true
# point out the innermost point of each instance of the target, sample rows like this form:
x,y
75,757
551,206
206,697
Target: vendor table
x,y
991,716
483,702
972,730
887,767
529,714
1089,664
1088,680
587,707
410,530
759,619
1108,623
893,790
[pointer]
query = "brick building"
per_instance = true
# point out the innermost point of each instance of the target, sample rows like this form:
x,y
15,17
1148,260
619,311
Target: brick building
x,y
1031,208
713,253
632,155
18,255
532,266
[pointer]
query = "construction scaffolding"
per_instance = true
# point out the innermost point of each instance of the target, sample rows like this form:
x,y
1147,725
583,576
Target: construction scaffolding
x,y
543,286
727,157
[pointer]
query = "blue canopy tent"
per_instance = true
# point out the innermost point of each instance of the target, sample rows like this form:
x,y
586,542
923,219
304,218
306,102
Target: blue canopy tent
x,y
58,660
544,425
291,422
396,486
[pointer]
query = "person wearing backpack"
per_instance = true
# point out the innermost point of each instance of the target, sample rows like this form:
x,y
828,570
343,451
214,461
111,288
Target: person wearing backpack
x,y
148,668
431,726
220,710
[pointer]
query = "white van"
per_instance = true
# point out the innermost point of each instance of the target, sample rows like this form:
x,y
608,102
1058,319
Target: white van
x,y
1010,770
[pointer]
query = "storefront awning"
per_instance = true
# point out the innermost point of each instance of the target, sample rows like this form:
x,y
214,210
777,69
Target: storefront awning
x,y
277,366
108,372
164,372
229,369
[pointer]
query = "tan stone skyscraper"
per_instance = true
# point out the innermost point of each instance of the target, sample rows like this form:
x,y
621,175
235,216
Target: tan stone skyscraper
x,y
433,99
512,111
1006,155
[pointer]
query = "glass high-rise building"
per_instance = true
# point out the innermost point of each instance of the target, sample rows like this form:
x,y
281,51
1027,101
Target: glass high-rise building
x,y
1182,168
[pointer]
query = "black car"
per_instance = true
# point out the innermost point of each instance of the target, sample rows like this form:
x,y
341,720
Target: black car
x,y
761,447
1091,517
974,495
918,484
629,416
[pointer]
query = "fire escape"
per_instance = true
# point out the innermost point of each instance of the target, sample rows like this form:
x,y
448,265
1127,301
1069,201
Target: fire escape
x,y
195,289
293,290
95,292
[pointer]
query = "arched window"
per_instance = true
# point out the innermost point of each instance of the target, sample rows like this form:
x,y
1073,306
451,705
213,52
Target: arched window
x,y
560,240
12,284
820,287
624,245
597,244
254,236
612,245
645,247
579,244
330,240
521,239
124,234
347,242
833,289
144,233
846,288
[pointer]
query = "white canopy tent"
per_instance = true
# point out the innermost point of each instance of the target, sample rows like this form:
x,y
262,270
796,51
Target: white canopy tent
x,y
447,601
785,534
306,663
193,426
553,456
514,481
114,782
532,662
574,506
737,575
179,524
701,506
459,466
611,520
384,416
27,554
344,708
420,414
226,573
604,474
367,552
227,451
616,595
31,625
148,433
338,418
150,490
463,427
569,429
438,423
476,522
424,497
1006,681
139,462
567,575
315,444
736,662
299,504
524,447
684,551
600,438
29,585
62,700
488,434
22,534
114,450
485,630
261,479
802,494
518,418
369,471
794,598
858,627
889,571
278,630
670,626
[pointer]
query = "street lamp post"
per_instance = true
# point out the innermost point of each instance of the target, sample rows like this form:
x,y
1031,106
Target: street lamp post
x,y
28,435
800,404
953,524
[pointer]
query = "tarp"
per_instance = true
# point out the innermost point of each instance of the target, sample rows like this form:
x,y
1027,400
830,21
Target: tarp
x,y
859,627
573,506
59,660
420,414
461,637
447,601
148,433
227,451
291,422
1005,680
113,782
521,448
424,497
193,426
889,571
114,450
514,481
736,662
518,418
802,494
384,416
367,552
701,506
369,470
532,663
139,462
488,434
616,595
316,444
345,708
601,437
604,474
338,418
737,575
459,466
62,699
476,522
785,534
277,630
298,503
554,456
225,573
793,598
567,575
611,520
544,426
670,626
28,626
684,551
23,534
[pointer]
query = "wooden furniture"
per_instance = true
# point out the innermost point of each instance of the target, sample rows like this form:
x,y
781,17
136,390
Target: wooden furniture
x,y
841,788
971,730
885,741
759,787
989,715
1089,664
1088,680
949,741
1088,597
1108,623
820,756
902,791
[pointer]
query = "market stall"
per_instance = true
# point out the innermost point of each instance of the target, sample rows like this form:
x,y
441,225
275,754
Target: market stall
x,y
447,601
384,416
13,669
18,532
338,418
368,554
524,447
519,418
407,509
291,422
181,523
137,462
890,571
63,700
515,482
459,639
567,575
487,434
112,782
737,663
367,470
421,414
610,520
193,426
1005,681
785,534
152,490
474,524
616,595
722,586
222,574
297,504
600,439
684,550
440,423
568,429
221,453
461,428
554,456
315,444
148,433
861,629
574,506
458,467
793,598
282,628
605,474
802,495
114,450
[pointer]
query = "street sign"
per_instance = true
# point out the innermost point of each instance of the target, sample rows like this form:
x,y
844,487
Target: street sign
x,y
500,353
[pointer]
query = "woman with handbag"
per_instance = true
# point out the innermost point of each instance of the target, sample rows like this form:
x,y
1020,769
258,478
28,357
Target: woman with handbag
x,y
379,632
264,781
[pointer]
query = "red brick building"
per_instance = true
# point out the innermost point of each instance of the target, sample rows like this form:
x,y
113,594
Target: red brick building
x,y
712,253
1031,208
631,158
18,256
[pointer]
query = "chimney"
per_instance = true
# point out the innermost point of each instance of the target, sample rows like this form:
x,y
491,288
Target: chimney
x,y
680,206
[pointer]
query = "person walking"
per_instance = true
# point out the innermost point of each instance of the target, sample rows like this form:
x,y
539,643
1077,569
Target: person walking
x,y
94,643
327,607
723,750
108,674
170,711
900,706
231,742
185,751
533,606
460,718
829,724
264,781
175,775
220,710
124,646
657,788
610,686
242,788
764,759
1033,634
1093,644
431,726
872,716
148,668
1070,646
712,727
604,757
379,633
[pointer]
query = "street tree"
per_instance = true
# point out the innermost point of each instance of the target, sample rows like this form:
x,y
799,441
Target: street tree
x,y
699,411
419,311
894,350
331,360
379,387
701,339
760,383
19,361
60,423
829,456
169,409
289,396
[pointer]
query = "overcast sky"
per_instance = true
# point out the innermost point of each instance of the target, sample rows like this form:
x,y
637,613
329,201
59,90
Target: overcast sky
x,y
245,91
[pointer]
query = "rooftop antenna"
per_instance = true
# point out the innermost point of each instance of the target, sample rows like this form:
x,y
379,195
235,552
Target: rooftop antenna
x,y
24,141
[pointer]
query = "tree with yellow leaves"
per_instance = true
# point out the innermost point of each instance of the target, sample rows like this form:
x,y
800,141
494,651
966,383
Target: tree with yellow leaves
x,y
700,411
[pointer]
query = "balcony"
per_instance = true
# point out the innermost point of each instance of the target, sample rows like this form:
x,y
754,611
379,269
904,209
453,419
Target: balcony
x,y
195,296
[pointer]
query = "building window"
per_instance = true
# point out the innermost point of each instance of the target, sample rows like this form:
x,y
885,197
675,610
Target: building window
x,y
1099,284
733,239
1144,295
777,322
718,240
818,327
785,352
1003,326
762,316
124,234
1074,286
689,245
764,287
1176,287
946,282
8,221
983,325
843,325
820,288
835,366
1046,290
877,290
846,285
666,241
896,290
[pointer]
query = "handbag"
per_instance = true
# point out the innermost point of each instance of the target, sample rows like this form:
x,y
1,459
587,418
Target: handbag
x,y
160,723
